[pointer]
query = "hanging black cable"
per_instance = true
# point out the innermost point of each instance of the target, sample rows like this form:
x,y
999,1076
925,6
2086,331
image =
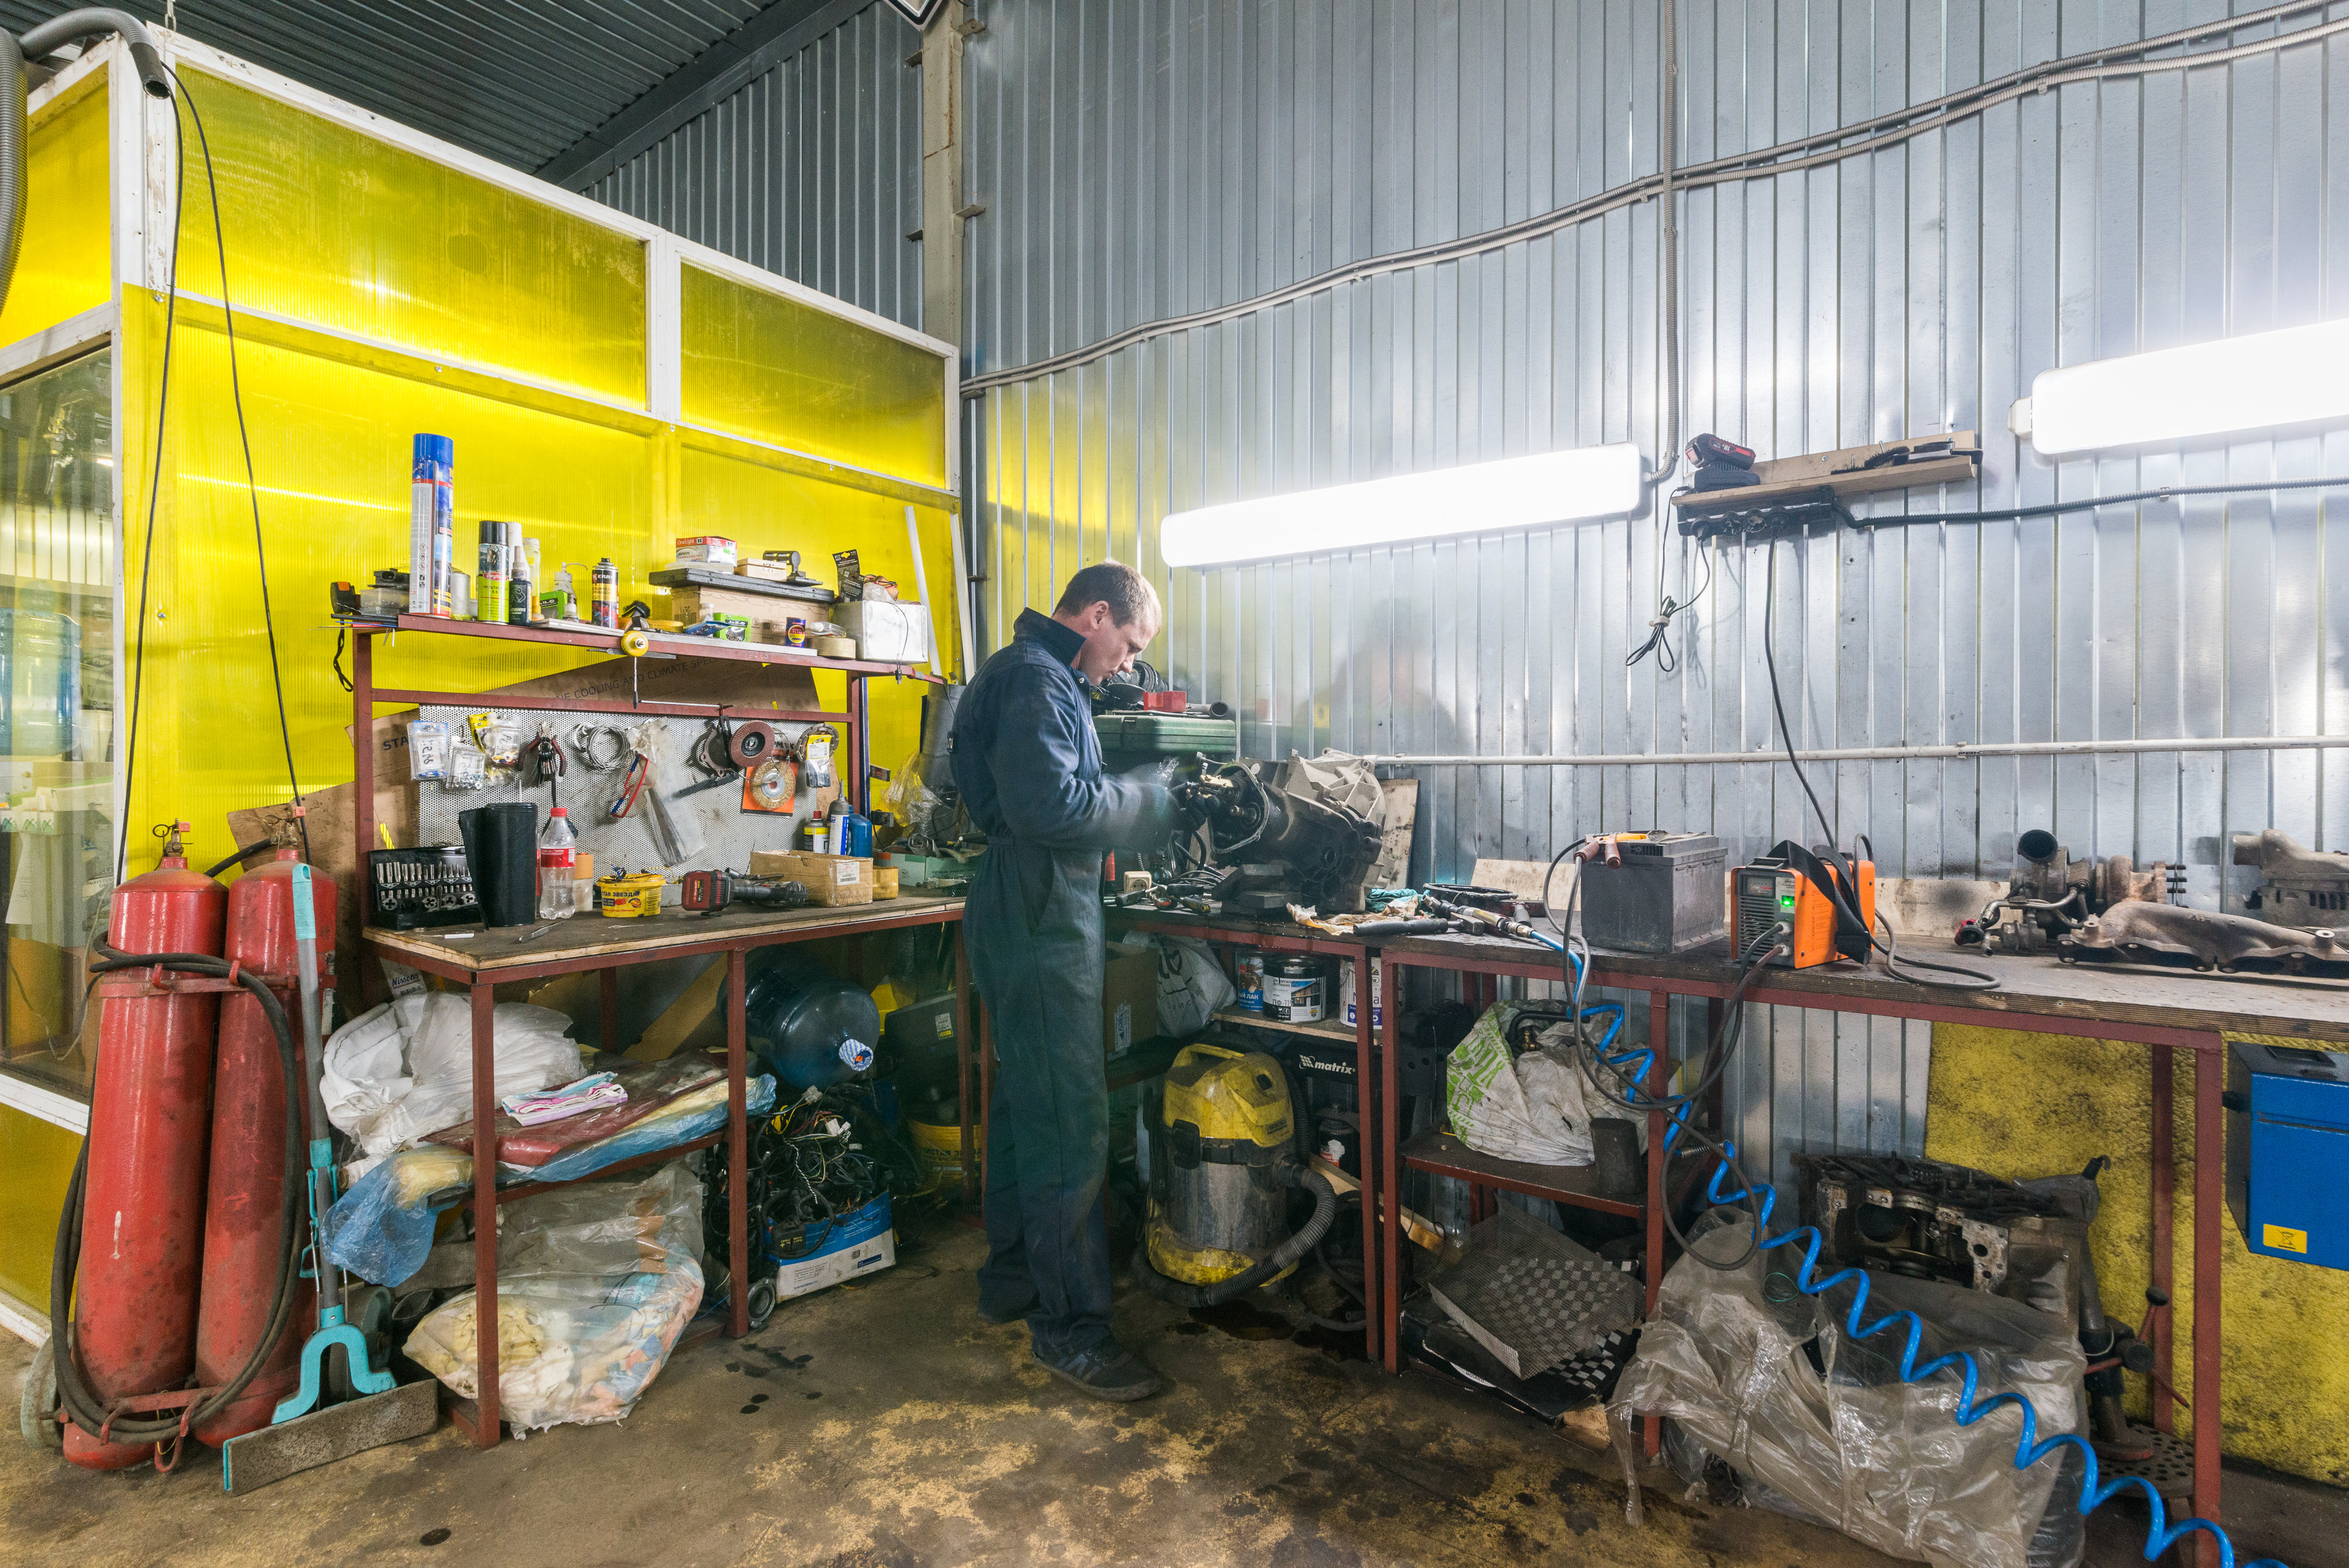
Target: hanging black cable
x,y
154,491
2090,502
1845,889
244,443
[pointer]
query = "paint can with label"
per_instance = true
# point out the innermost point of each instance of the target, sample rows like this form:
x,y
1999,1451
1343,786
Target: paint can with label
x,y
1251,980
1348,1000
1296,990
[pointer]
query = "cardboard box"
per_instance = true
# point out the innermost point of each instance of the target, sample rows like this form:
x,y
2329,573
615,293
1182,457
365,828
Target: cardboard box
x,y
885,631
1128,997
831,880
864,1243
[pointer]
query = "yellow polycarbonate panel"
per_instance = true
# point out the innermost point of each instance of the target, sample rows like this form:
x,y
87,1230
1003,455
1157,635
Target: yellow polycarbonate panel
x,y
346,231
330,448
778,370
37,1160
762,509
64,265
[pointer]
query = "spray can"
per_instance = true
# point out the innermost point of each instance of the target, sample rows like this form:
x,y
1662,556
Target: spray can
x,y
432,524
530,548
489,580
520,581
607,590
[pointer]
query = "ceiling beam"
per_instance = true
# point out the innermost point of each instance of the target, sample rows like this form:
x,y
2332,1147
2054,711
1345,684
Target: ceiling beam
x,y
774,34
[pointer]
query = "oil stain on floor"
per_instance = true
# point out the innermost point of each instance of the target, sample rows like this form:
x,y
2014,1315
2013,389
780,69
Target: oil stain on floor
x,y
885,1425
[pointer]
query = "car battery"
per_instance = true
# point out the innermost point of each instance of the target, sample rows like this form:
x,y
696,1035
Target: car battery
x,y
1666,896
2287,1143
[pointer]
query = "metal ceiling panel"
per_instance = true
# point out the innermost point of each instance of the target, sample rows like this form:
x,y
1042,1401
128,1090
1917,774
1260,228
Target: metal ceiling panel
x,y
516,80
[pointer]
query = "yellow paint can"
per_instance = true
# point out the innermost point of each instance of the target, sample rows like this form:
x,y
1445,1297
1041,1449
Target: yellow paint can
x,y
637,895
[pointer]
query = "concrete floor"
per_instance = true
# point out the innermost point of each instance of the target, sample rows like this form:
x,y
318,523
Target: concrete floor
x,y
886,1427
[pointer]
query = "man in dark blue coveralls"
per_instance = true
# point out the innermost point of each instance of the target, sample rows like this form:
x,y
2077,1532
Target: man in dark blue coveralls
x,y
1028,761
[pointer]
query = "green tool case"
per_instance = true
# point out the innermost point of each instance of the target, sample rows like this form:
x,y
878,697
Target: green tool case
x,y
1145,735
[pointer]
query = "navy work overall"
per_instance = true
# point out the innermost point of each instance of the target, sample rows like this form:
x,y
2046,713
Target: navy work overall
x,y
1029,764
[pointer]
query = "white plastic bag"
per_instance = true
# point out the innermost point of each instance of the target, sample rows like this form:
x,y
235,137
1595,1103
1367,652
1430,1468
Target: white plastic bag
x,y
1527,1107
1191,985
405,1069
595,1283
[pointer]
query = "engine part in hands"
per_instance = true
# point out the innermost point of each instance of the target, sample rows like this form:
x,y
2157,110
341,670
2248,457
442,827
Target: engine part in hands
x,y
2304,887
711,891
1222,1167
332,1333
1326,847
2137,932
1792,886
2285,1107
2050,894
252,1126
1652,892
1532,1297
142,1201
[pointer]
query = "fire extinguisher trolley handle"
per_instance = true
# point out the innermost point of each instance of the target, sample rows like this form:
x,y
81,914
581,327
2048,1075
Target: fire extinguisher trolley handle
x,y
332,1330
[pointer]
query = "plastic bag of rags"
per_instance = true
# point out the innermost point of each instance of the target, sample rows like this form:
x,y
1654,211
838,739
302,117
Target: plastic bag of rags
x,y
595,1283
405,1069
1526,1108
1820,1424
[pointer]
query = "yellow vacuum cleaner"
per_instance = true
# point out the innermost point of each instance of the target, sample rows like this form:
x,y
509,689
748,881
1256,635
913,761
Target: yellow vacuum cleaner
x,y
1222,1168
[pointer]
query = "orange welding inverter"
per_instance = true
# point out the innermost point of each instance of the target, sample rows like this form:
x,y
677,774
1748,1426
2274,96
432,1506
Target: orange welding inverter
x,y
1810,895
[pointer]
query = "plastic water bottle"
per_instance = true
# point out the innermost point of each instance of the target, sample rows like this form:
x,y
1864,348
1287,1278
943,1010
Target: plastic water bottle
x,y
558,853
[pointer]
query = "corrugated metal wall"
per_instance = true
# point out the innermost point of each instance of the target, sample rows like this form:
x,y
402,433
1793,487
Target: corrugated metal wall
x,y
813,169
1141,161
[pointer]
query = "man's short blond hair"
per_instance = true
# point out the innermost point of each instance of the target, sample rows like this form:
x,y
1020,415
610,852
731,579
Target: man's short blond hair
x,y
1127,592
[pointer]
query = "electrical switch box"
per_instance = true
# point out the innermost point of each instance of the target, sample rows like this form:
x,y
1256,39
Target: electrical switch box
x,y
2287,1146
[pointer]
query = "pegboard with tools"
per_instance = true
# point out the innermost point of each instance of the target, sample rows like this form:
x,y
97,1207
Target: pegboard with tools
x,y
697,793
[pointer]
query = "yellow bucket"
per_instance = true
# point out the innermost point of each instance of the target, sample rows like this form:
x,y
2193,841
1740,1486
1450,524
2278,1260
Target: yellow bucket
x,y
638,896
938,1149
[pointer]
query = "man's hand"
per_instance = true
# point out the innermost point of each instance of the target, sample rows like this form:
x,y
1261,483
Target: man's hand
x,y
1203,799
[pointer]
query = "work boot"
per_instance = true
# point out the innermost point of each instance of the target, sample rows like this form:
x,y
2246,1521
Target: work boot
x,y
1106,1371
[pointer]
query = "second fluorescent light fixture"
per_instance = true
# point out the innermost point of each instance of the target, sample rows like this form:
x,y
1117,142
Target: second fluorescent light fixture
x,y
2234,386
1480,498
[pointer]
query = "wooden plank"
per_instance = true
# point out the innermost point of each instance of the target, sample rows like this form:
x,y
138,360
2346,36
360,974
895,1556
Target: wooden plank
x,y
1792,475
1326,1028
593,936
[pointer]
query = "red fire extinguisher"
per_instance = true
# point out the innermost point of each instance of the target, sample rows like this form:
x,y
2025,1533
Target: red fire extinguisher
x,y
249,1181
190,1105
151,1119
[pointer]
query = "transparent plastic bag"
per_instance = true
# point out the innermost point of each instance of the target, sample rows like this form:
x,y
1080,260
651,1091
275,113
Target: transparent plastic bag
x,y
1527,1107
594,1284
1820,1424
430,1034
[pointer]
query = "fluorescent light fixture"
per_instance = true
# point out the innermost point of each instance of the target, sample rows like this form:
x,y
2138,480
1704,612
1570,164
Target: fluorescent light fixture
x,y
1480,498
2265,381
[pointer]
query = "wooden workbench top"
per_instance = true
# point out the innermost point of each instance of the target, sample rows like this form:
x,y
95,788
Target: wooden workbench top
x,y
2038,990
585,936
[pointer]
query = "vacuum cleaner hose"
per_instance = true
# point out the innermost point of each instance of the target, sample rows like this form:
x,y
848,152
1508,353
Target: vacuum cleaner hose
x,y
81,1404
39,41
1283,1257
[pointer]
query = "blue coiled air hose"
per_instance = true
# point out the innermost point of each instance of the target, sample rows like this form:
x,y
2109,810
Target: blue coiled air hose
x,y
2160,1535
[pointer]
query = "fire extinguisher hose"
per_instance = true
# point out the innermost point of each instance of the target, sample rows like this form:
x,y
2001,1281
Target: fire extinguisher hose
x,y
85,1409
